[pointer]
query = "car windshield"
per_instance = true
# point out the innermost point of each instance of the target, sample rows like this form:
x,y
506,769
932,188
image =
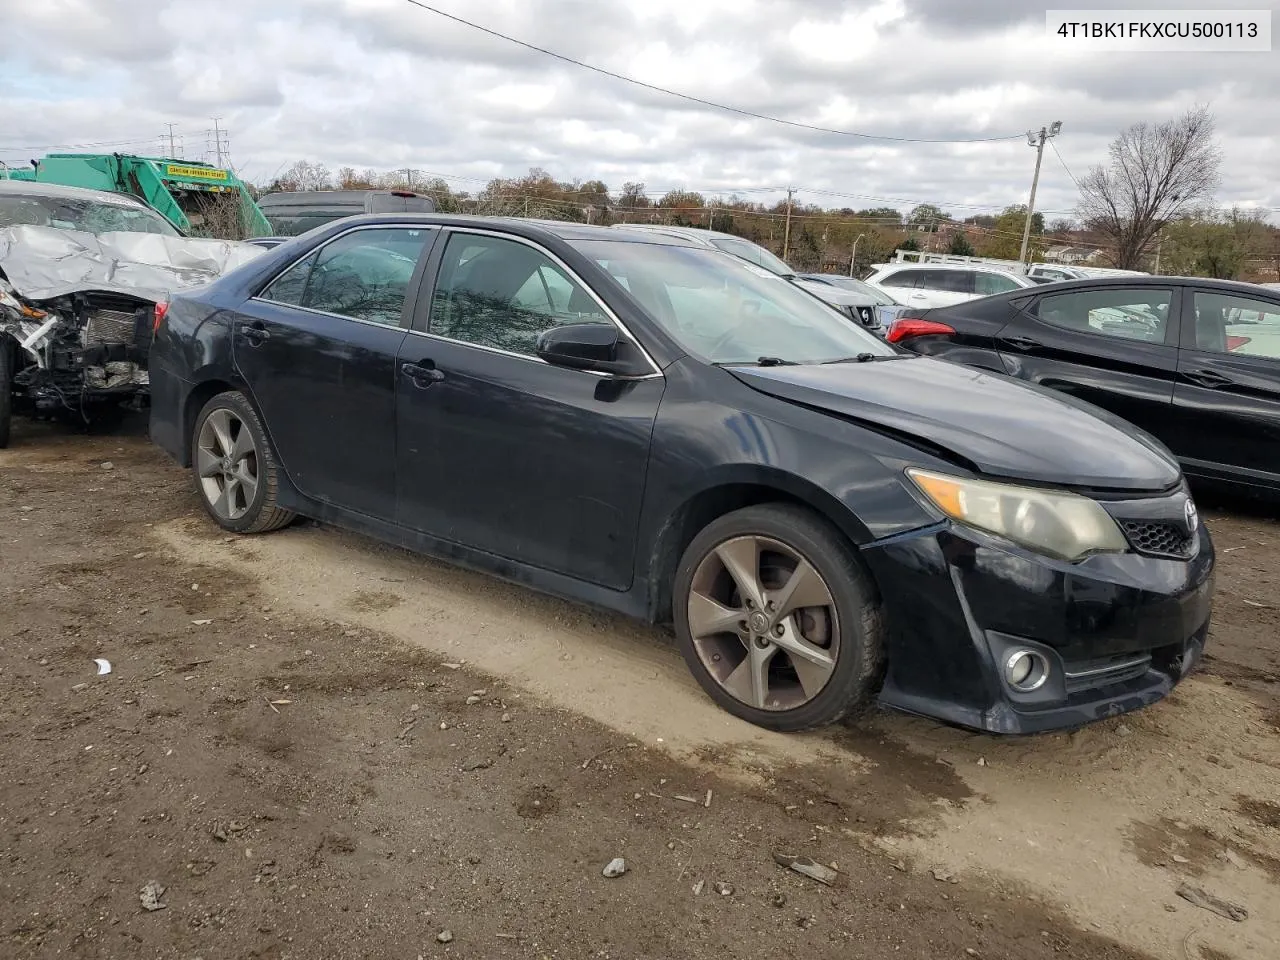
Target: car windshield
x,y
74,213
725,311
753,253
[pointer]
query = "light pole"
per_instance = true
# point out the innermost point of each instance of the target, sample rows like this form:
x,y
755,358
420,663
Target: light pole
x,y
1038,141
853,258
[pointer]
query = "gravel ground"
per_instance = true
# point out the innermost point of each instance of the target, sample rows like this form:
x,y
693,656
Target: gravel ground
x,y
289,759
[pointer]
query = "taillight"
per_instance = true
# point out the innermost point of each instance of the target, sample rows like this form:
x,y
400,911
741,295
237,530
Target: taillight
x,y
1235,343
161,310
904,328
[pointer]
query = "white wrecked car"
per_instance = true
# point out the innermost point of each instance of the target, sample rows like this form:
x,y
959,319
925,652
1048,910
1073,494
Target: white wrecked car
x,y
80,274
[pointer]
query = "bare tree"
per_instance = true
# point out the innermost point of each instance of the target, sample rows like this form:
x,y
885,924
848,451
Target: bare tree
x,y
1156,172
305,175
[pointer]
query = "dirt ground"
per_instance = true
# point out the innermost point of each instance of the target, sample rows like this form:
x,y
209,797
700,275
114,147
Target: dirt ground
x,y
321,747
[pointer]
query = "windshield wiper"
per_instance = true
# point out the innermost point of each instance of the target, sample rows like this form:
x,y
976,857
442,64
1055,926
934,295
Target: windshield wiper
x,y
862,358
758,362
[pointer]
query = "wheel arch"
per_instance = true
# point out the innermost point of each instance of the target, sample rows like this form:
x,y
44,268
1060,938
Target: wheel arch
x,y
194,402
725,495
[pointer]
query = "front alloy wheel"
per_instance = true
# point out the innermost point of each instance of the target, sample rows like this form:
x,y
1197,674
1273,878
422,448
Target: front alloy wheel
x,y
764,623
778,620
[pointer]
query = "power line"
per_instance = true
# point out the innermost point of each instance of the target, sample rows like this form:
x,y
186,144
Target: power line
x,y
689,97
1064,165
66,146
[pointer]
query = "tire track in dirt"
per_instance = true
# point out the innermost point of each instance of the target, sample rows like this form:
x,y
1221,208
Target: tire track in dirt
x,y
1070,817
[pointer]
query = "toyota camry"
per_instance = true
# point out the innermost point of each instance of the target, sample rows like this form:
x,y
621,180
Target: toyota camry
x,y
646,425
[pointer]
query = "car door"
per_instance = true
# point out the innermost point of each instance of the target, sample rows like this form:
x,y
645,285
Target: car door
x,y
1227,395
943,288
1110,345
317,350
502,452
901,285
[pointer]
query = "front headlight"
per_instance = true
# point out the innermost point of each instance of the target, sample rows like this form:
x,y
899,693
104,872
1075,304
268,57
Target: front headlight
x,y
1063,525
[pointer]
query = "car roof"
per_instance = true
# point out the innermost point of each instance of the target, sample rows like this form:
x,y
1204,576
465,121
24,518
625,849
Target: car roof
x,y
881,267
521,226
1238,287
35,188
693,233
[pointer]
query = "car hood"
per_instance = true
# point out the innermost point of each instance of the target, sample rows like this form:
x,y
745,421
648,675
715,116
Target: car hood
x,y
1004,428
836,295
45,262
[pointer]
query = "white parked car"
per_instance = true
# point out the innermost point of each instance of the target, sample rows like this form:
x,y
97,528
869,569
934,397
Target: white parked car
x,y
942,285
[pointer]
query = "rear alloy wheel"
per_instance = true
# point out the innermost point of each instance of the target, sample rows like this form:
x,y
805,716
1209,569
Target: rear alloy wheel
x,y
235,467
778,620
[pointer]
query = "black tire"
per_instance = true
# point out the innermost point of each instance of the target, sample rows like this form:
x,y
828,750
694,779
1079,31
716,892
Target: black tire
x,y
7,361
860,662
262,515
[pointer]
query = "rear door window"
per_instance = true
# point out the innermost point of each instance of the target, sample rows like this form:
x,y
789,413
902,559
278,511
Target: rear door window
x,y
363,275
947,281
1240,326
901,279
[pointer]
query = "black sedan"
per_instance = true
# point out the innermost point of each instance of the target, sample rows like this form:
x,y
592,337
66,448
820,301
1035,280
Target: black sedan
x,y
647,425
1195,362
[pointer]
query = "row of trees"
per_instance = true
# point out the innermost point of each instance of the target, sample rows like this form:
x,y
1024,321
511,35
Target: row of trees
x,y
819,236
1149,201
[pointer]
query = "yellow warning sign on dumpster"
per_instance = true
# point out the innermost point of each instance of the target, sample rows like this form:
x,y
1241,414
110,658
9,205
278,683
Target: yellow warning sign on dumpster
x,y
194,173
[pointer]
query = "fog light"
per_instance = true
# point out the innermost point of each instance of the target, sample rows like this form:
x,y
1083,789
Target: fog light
x,y
1026,670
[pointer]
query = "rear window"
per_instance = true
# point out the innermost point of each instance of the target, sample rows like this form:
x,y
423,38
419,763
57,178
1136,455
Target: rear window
x,y
390,203
947,281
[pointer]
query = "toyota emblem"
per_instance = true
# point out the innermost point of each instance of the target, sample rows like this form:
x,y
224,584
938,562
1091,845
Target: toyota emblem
x,y
1193,517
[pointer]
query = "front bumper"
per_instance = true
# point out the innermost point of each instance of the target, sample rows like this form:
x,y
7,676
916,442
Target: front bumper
x,y
1118,631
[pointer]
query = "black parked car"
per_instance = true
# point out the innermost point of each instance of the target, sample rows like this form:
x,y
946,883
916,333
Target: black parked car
x,y
654,427
1195,362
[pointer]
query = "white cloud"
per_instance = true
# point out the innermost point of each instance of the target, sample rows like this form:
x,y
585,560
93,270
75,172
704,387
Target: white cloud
x,y
382,83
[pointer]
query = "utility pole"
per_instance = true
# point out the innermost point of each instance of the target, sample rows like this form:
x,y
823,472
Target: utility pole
x,y
853,257
1037,140
173,150
1159,246
786,236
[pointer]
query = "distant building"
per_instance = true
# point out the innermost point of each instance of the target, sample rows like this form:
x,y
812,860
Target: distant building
x,y
1063,254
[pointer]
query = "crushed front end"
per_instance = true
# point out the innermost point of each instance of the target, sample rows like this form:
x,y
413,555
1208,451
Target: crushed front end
x,y
79,353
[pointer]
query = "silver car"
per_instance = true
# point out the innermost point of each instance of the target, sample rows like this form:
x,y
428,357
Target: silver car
x,y
861,307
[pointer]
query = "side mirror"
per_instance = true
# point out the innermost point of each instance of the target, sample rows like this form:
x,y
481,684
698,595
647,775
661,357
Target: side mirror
x,y
598,347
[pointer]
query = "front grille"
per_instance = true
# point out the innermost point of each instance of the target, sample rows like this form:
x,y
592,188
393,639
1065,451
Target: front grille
x,y
109,326
1101,672
1158,538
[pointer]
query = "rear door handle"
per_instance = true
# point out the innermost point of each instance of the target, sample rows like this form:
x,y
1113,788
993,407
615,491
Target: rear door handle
x,y
1022,343
421,375
255,333
1208,378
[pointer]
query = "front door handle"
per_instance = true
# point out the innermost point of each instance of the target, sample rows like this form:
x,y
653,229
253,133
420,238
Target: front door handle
x,y
1022,343
1208,378
421,375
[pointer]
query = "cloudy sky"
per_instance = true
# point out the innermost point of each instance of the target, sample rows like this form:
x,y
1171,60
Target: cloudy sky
x,y
383,83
